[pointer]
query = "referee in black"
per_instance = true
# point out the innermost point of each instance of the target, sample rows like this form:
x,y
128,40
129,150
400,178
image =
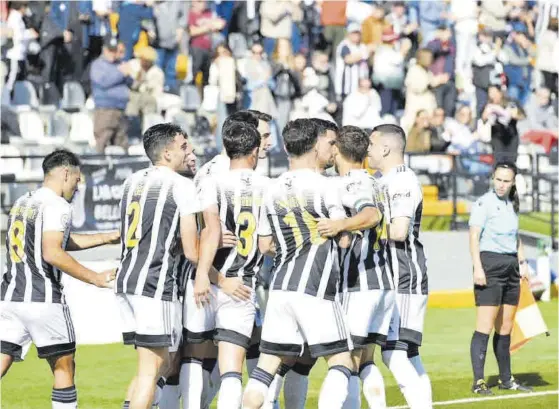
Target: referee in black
x,y
499,265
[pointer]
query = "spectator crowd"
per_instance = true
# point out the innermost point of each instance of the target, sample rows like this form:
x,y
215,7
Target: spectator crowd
x,y
460,76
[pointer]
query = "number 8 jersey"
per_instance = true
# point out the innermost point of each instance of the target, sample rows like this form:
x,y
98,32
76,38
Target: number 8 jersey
x,y
153,201
27,277
305,261
238,194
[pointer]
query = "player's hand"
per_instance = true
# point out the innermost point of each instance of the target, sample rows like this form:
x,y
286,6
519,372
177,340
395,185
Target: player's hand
x,y
235,289
106,279
328,227
202,290
479,277
228,239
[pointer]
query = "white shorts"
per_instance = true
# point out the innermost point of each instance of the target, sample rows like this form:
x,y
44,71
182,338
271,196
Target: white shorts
x,y
368,315
407,318
295,319
223,319
48,326
150,323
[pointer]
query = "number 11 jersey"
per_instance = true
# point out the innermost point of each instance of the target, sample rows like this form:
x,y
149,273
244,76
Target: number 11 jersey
x,y
305,261
238,194
153,201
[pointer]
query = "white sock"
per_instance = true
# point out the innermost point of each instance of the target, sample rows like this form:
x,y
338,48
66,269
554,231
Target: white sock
x,y
191,383
64,398
257,388
333,392
424,381
295,388
158,389
272,399
212,383
230,391
373,386
251,364
170,397
353,400
406,376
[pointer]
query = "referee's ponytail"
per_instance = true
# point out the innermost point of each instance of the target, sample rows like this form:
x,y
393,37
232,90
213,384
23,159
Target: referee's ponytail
x,y
513,194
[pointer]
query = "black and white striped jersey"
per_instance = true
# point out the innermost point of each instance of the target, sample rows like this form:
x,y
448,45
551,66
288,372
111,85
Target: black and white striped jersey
x,y
238,195
408,260
365,265
305,262
27,277
153,201
218,165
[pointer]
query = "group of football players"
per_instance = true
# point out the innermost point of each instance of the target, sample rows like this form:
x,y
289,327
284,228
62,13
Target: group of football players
x,y
223,266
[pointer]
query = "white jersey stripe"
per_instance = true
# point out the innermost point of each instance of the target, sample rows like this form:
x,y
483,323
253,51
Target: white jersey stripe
x,y
165,265
154,233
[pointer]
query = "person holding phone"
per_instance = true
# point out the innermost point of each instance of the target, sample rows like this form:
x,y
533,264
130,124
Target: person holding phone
x,y
499,265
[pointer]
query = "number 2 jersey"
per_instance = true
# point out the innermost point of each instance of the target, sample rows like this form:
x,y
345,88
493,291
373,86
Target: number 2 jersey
x,y
408,260
365,266
304,262
238,195
27,277
153,201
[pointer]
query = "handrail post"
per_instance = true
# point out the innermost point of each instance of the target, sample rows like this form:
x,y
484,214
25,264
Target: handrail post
x,y
454,194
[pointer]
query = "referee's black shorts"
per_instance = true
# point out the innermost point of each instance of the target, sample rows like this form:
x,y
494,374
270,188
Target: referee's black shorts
x,y
503,280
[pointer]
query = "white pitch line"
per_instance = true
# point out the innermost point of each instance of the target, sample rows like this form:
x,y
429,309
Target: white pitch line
x,y
500,397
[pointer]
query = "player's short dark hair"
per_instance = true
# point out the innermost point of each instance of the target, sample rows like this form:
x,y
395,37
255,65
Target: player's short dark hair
x,y
394,131
353,143
158,137
261,116
240,139
60,157
324,125
300,136
244,116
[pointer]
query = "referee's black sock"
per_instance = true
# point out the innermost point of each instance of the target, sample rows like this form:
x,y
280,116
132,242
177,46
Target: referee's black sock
x,y
478,351
501,347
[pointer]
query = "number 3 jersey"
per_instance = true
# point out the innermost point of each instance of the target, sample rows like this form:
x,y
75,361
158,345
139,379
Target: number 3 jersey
x,y
305,262
238,195
366,265
27,277
153,201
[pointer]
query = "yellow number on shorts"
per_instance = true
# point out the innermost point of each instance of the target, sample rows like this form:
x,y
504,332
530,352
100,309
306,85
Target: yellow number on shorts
x,y
247,224
134,210
16,234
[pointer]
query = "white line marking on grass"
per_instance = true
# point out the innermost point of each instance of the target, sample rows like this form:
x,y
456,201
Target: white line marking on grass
x,y
501,397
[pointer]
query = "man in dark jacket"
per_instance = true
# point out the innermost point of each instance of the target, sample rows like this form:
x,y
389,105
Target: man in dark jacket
x,y
444,61
61,43
110,82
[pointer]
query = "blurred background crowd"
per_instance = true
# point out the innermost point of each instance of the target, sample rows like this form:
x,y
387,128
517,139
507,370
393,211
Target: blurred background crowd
x,y
460,76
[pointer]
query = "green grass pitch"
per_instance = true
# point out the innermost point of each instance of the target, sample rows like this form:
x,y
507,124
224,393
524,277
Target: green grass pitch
x,y
103,372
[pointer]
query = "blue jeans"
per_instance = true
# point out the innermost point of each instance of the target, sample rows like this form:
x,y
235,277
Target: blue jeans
x,y
519,93
167,61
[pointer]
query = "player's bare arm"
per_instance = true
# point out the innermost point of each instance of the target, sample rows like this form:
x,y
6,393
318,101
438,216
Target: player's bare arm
x,y
54,254
398,229
87,241
366,219
210,238
228,239
266,245
189,238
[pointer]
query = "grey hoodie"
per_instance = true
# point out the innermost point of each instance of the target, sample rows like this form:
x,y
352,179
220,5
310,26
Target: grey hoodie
x,y
169,16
